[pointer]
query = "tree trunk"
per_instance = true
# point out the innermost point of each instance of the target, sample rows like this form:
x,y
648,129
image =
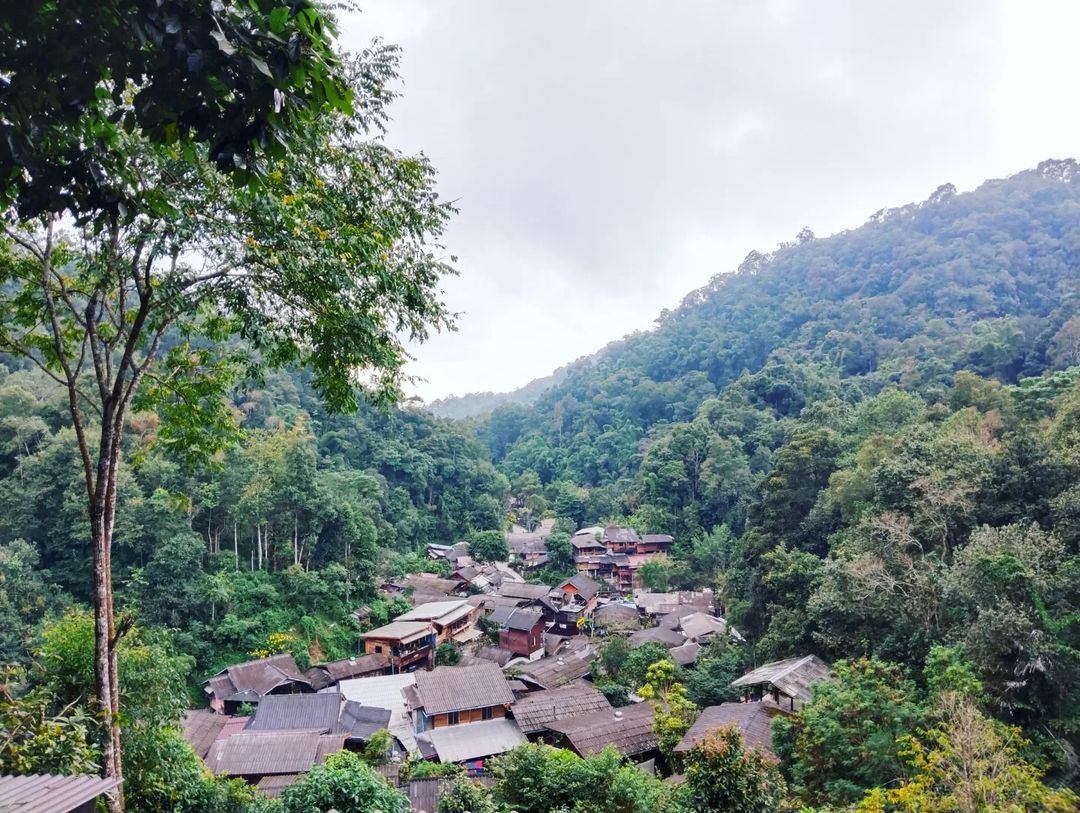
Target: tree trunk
x,y
106,671
235,547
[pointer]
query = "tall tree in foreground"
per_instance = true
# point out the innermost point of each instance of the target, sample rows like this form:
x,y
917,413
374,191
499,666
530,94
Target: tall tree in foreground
x,y
325,262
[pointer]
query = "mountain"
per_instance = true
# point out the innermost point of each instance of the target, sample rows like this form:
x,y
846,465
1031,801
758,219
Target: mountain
x,y
984,281
476,404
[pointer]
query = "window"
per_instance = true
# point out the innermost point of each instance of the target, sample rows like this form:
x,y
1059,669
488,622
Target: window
x,y
452,718
378,649
486,713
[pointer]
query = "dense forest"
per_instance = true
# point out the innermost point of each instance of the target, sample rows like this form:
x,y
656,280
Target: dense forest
x,y
211,268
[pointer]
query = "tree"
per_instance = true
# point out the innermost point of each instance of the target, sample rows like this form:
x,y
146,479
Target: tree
x,y
311,268
537,778
465,795
636,664
968,763
345,783
489,546
446,654
845,739
656,573
674,712
723,774
240,78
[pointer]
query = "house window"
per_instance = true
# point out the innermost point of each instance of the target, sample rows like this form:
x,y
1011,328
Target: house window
x,y
486,713
452,718
378,649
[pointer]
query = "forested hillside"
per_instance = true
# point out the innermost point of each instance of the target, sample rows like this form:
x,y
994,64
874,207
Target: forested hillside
x,y
867,444
287,529
984,282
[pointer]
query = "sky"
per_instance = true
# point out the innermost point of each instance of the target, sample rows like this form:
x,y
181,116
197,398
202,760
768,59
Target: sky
x,y
610,156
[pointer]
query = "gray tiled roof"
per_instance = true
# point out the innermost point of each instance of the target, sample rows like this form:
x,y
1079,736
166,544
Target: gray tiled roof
x,y
447,689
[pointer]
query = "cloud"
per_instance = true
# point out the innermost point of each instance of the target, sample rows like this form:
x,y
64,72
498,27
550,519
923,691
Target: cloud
x,y
608,157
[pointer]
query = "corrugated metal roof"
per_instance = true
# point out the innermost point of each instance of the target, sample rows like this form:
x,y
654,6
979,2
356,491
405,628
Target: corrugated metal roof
x,y
297,711
534,711
404,631
258,677
458,743
258,753
384,691
441,612
448,688
425,794
701,625
50,793
272,786
523,620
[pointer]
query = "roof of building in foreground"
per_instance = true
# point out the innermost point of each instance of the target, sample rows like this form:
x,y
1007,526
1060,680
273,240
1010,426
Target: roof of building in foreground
x,y
50,793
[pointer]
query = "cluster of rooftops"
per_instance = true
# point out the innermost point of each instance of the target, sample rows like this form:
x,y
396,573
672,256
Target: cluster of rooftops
x,y
534,684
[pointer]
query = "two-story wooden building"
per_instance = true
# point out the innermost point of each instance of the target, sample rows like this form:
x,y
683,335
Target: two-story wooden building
x,y
408,645
522,632
457,695
449,618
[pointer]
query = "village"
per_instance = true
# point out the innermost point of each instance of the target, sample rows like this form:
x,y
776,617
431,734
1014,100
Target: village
x,y
524,660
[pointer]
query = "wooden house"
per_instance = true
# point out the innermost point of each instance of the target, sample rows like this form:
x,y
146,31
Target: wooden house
x,y
522,632
788,683
450,618
249,682
450,696
408,645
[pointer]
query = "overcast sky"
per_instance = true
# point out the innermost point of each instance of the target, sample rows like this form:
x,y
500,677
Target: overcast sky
x,y
609,157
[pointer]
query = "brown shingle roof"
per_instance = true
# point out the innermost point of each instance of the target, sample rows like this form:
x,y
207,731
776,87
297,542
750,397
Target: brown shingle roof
x,y
258,677
585,587
201,727
533,712
556,670
260,753
629,729
457,689
754,721
657,635
794,677
522,590
616,615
